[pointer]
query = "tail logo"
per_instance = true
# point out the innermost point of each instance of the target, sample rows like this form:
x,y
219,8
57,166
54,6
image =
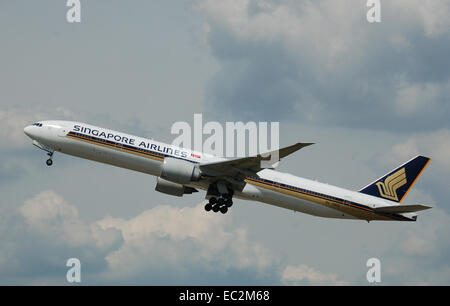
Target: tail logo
x,y
388,188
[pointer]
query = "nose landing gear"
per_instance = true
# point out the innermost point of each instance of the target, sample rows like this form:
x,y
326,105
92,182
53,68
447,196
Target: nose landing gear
x,y
49,151
49,161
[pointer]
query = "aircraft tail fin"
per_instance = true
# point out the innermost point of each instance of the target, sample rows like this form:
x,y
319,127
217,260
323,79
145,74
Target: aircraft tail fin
x,y
395,185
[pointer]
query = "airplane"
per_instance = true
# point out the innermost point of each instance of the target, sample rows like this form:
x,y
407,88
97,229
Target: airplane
x,y
180,171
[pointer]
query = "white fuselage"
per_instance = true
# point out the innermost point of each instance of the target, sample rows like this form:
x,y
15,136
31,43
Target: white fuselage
x,y
146,155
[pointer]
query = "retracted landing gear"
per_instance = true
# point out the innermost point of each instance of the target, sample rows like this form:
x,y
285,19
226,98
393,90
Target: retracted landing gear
x,y
219,204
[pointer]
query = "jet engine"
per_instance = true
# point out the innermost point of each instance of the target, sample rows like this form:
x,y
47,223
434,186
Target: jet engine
x,y
179,171
172,188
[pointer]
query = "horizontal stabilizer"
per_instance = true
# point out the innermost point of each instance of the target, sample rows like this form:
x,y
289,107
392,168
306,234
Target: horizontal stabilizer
x,y
399,209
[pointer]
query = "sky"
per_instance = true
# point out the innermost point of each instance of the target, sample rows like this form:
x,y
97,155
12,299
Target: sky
x,y
369,95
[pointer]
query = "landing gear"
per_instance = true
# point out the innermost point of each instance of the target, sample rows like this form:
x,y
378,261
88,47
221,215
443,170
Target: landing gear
x,y
219,204
220,195
208,207
49,151
49,161
216,208
228,202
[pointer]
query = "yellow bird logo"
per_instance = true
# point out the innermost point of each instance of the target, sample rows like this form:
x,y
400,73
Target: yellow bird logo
x,y
388,188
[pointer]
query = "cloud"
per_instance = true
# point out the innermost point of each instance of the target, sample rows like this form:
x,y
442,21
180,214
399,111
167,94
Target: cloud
x,y
422,253
163,245
304,275
50,216
42,234
320,62
434,144
183,245
175,246
434,15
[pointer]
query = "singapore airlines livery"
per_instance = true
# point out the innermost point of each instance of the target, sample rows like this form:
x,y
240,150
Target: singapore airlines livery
x,y
180,171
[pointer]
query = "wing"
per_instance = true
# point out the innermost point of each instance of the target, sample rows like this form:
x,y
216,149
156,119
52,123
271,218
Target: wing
x,y
240,168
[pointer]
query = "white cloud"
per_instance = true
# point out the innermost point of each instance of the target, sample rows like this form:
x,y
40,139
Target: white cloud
x,y
184,239
178,244
303,274
48,215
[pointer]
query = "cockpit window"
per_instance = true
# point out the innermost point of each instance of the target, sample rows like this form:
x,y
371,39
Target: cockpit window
x,y
37,124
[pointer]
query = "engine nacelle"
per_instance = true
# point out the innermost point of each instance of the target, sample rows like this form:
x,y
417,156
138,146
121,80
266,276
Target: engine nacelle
x,y
179,171
172,188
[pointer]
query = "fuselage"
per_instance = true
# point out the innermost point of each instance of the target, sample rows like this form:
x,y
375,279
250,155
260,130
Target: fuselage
x,y
147,156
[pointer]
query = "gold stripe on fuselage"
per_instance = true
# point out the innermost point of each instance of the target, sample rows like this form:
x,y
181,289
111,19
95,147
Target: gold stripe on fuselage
x,y
114,147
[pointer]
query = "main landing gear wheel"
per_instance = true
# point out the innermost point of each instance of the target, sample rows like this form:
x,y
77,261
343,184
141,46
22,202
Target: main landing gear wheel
x,y
228,203
221,204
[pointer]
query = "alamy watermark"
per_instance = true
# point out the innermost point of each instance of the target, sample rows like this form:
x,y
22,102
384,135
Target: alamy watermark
x,y
74,12
236,139
73,275
374,273
374,12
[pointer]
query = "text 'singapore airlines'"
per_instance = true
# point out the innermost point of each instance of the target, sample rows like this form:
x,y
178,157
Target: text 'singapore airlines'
x,y
180,171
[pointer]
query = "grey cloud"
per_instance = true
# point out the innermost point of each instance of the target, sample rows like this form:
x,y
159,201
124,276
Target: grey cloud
x,y
323,63
422,257
166,243
160,246
38,239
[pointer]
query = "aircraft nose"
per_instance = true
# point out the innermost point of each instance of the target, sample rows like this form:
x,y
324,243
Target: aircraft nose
x,y
28,130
